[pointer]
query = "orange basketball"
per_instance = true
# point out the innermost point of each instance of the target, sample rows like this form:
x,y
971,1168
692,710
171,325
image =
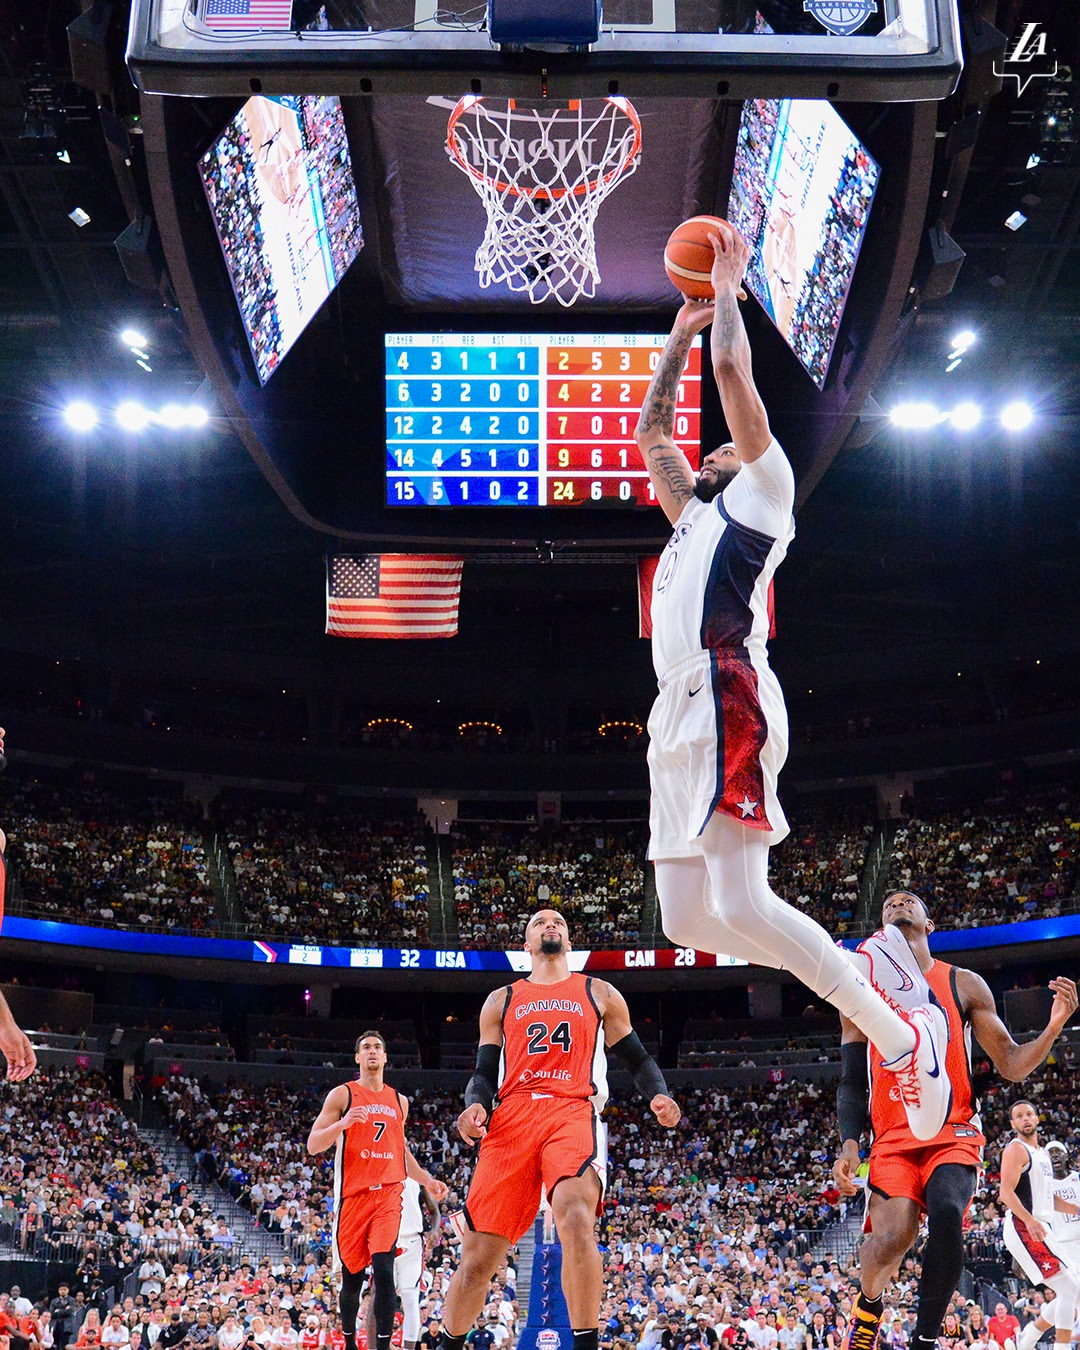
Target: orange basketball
x,y
688,256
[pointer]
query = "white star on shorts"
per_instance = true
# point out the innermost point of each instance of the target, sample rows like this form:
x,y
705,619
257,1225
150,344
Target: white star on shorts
x,y
747,807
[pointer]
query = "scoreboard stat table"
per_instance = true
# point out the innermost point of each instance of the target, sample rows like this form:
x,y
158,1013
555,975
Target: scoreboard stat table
x,y
524,419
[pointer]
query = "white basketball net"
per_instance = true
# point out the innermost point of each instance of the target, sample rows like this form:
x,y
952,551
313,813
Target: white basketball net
x,y
542,175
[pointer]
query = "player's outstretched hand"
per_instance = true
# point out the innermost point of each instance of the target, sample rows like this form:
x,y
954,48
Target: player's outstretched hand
x,y
1064,1004
666,1110
472,1123
438,1190
845,1168
730,257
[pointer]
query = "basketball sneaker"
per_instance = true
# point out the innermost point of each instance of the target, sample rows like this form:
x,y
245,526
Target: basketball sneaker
x,y
865,1323
894,969
921,1076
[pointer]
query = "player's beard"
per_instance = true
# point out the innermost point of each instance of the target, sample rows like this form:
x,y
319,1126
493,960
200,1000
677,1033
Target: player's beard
x,y
710,490
551,946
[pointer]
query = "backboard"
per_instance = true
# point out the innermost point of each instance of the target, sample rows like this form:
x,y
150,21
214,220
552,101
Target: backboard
x,y
855,50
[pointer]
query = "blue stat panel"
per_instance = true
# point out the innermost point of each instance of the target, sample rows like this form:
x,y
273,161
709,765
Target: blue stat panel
x,y
516,419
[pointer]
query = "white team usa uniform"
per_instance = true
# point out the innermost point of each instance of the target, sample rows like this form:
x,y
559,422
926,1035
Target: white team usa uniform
x,y
1042,1262
1067,1226
409,1261
718,733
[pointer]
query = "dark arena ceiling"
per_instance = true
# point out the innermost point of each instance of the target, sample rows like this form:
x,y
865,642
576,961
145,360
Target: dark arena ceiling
x,y
921,560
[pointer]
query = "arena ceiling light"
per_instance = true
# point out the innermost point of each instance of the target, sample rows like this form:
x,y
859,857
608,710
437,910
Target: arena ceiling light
x,y
80,415
132,416
915,416
132,337
1016,416
965,416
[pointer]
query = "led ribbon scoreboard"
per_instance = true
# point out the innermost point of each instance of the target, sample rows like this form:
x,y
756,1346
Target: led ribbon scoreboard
x,y
524,419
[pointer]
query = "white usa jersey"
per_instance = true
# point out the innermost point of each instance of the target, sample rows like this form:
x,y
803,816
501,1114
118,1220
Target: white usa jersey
x,y
412,1214
712,583
1067,1226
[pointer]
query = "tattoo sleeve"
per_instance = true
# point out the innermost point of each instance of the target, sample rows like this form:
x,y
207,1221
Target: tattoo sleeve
x,y
658,410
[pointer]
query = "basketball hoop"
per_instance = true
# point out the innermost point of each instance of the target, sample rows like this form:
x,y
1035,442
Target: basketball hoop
x,y
542,174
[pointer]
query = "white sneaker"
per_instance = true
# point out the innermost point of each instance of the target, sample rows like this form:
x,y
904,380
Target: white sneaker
x,y
894,970
921,1076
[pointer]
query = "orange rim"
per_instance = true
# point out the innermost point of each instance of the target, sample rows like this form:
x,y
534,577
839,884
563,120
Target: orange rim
x,y
464,104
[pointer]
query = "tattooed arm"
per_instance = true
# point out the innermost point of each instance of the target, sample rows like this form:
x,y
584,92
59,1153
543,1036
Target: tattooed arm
x,y
744,411
669,469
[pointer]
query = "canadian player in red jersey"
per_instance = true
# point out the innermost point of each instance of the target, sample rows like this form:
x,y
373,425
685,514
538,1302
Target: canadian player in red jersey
x,y
365,1119
534,1107
14,1043
909,1176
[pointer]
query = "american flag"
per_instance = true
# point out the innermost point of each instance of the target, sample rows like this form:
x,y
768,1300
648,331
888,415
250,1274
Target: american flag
x,y
393,595
242,15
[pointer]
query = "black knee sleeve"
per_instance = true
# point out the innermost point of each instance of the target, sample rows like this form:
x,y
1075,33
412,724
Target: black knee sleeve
x,y
384,1295
948,1194
349,1299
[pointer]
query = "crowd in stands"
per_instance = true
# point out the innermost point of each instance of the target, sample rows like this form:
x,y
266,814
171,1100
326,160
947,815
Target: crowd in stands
x,y
819,866
333,879
593,872
84,855
1011,858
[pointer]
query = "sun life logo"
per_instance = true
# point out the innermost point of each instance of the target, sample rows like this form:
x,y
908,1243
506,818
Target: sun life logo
x,y
842,17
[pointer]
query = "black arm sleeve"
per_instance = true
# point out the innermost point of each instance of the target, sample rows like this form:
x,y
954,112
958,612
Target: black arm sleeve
x,y
646,1072
484,1083
853,1094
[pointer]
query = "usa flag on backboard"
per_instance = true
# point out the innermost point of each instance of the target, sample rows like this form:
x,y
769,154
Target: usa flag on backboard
x,y
240,15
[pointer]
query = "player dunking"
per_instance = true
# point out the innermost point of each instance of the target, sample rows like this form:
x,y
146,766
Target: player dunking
x,y
14,1043
366,1120
534,1102
718,729
1027,1192
911,1176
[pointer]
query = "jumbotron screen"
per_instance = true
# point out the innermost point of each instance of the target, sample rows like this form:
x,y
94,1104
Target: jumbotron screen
x,y
525,419
280,186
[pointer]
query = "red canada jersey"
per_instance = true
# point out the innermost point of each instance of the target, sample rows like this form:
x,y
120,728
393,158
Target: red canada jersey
x,y
553,1044
888,1119
310,1338
371,1152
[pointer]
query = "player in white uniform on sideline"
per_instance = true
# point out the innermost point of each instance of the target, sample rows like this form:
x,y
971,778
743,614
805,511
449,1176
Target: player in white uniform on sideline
x,y
718,729
411,1253
1032,1228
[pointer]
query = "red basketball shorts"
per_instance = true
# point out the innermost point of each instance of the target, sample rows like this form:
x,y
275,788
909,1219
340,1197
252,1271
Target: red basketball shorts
x,y
532,1143
367,1223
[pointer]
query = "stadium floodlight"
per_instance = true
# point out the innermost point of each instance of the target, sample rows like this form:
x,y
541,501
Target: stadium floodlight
x,y
915,416
131,337
81,416
173,416
132,416
965,416
1017,415
196,416
963,340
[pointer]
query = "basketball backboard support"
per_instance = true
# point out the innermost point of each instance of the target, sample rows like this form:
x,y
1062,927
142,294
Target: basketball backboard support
x,y
871,51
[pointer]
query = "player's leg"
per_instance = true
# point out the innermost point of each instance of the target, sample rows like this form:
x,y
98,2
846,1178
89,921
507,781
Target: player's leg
x,y
894,1226
742,916
1060,1313
949,1189
481,1254
573,1206
408,1269
383,1297
352,1284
